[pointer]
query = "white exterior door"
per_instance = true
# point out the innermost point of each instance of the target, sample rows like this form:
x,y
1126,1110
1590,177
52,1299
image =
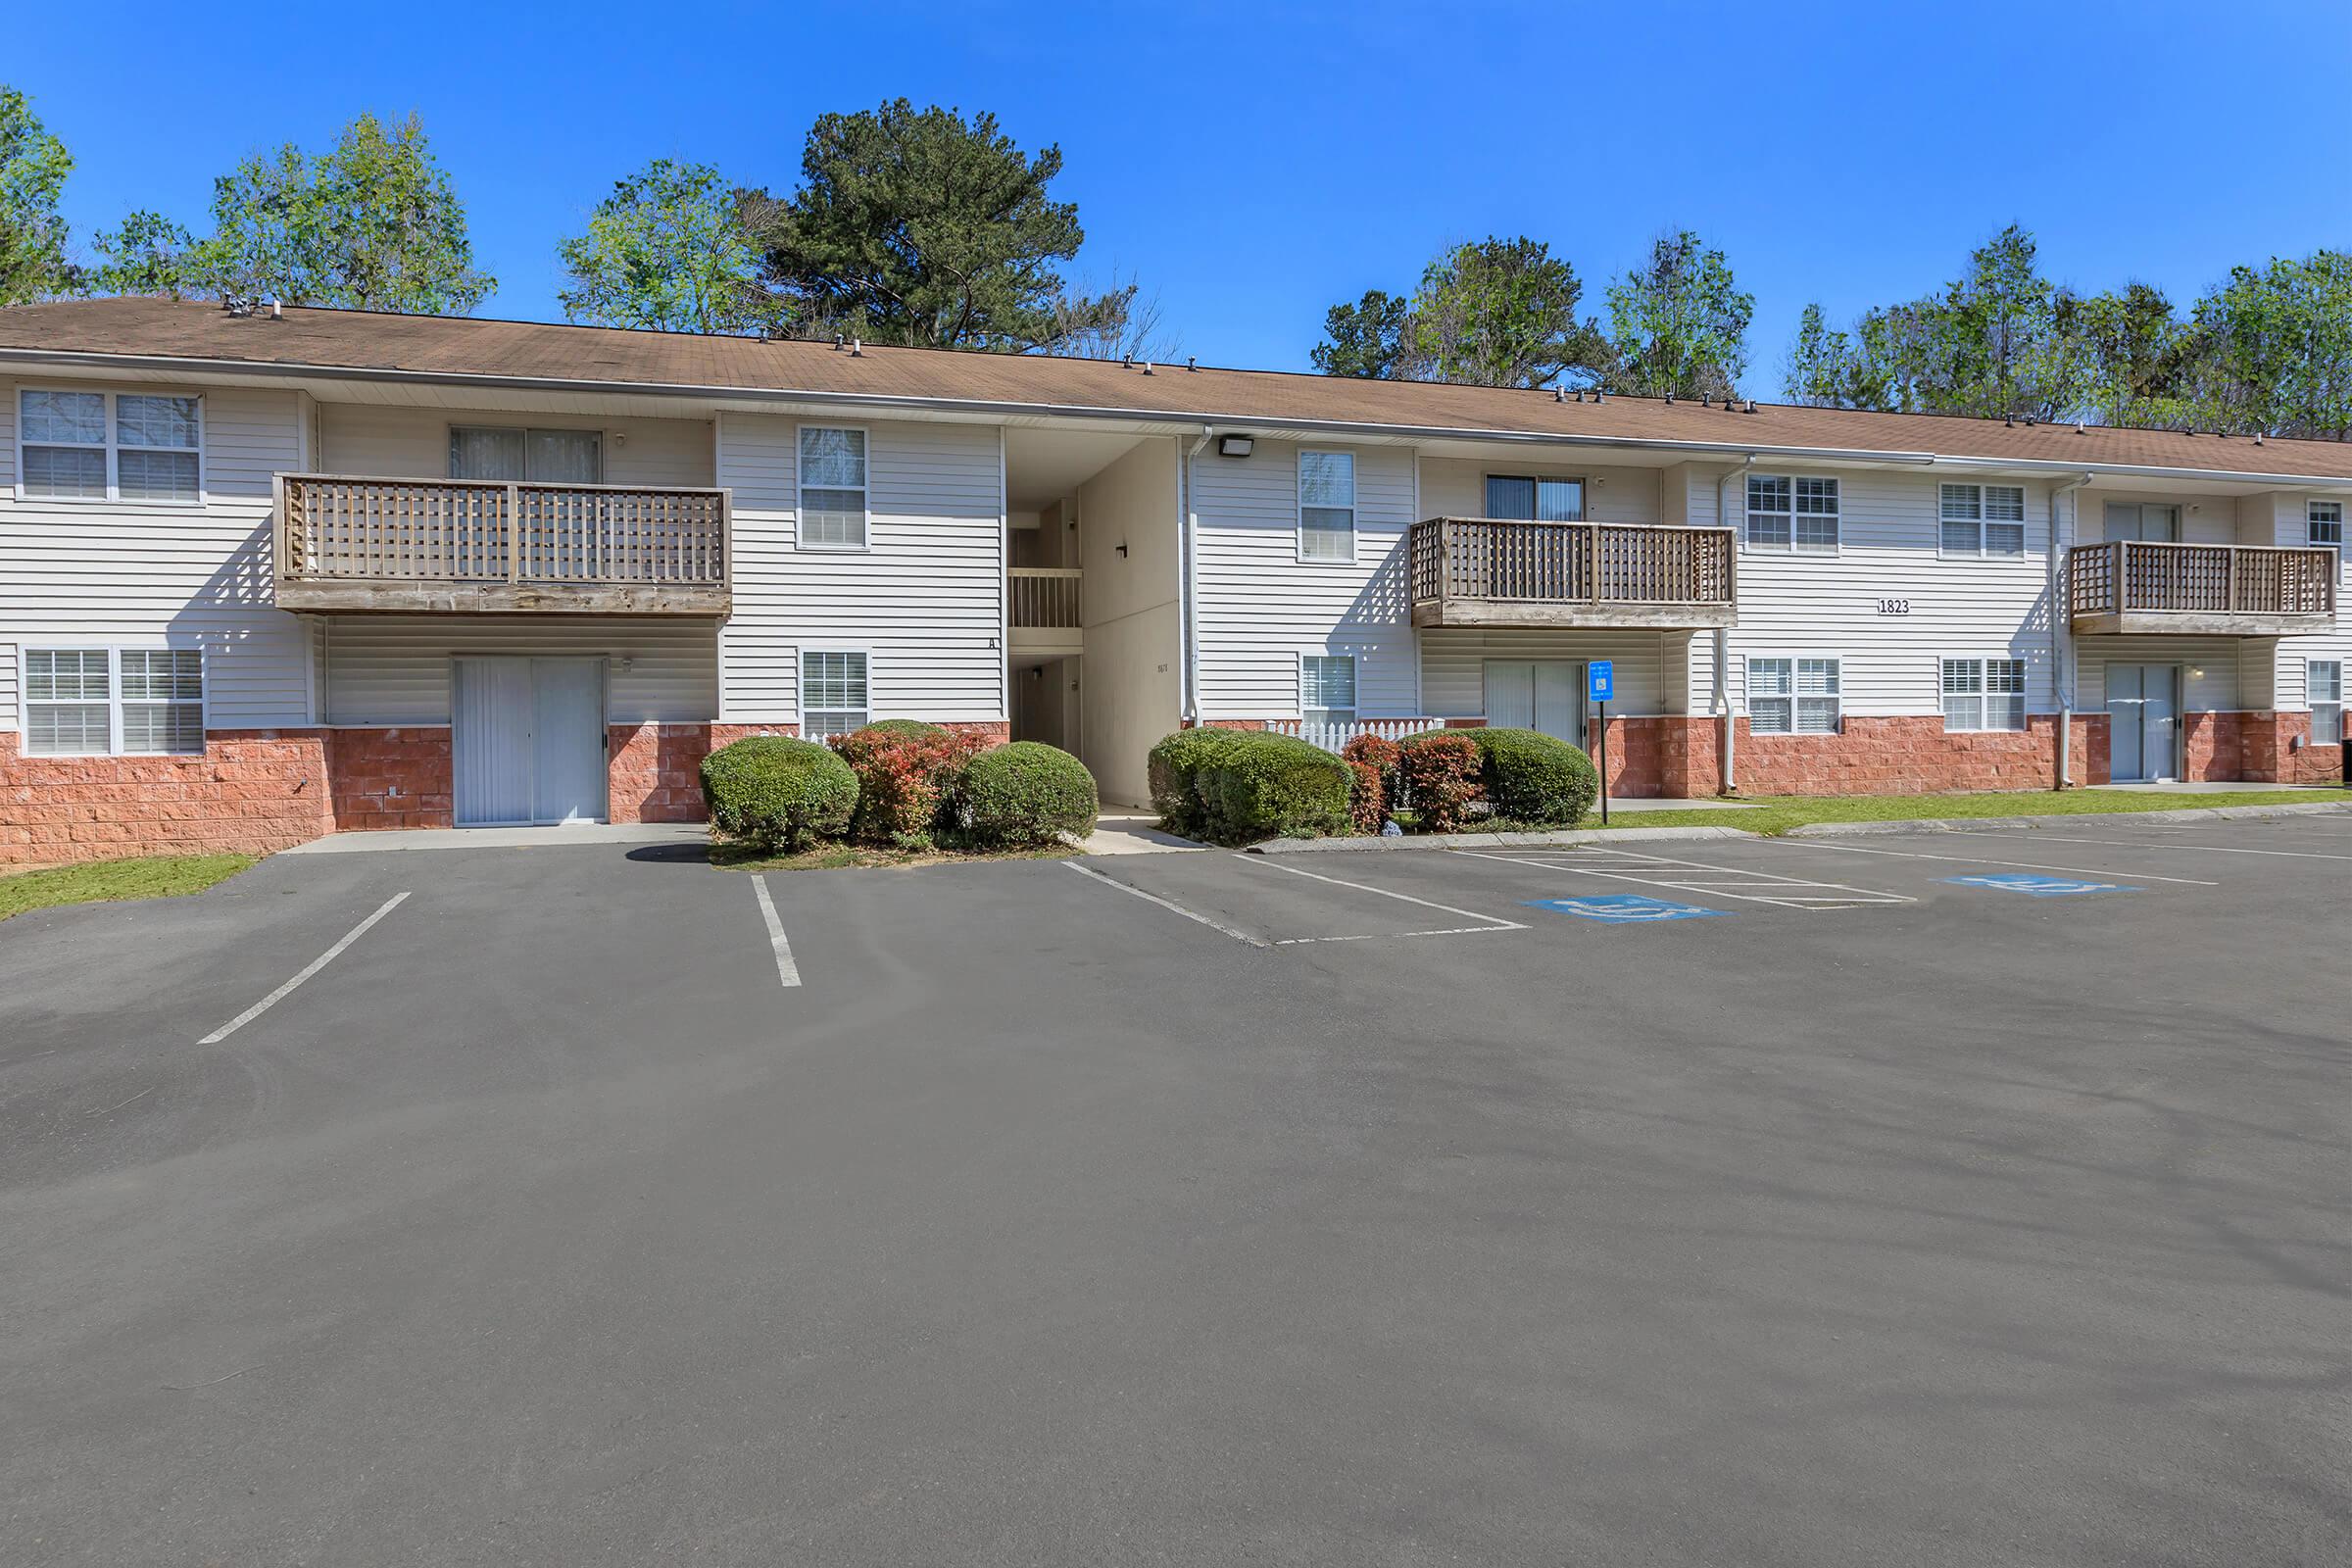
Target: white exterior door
x,y
2144,722
528,741
1539,694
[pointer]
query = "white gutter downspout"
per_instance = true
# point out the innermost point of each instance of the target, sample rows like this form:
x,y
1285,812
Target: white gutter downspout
x,y
1187,526
2062,675
1729,783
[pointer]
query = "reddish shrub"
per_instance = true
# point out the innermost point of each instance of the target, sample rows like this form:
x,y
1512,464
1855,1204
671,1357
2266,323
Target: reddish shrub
x,y
1377,751
1367,797
904,779
1438,771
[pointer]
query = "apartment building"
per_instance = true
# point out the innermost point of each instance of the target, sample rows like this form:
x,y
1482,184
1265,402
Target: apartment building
x,y
267,574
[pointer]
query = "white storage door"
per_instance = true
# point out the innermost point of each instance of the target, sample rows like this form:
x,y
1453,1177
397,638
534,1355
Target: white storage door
x,y
1511,694
492,742
1560,700
567,739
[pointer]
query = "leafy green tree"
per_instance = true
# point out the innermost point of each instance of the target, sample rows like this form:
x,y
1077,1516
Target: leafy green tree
x,y
925,228
2273,348
1367,339
667,249
372,224
1679,322
1490,313
2130,360
34,165
1819,371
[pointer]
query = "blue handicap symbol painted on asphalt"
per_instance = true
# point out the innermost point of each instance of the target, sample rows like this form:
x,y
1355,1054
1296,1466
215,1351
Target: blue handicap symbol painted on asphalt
x,y
1624,908
2040,887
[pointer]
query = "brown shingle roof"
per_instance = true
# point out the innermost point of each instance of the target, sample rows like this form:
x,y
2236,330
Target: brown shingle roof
x,y
352,342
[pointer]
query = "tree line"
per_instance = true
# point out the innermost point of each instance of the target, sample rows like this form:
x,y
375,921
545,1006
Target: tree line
x,y
932,228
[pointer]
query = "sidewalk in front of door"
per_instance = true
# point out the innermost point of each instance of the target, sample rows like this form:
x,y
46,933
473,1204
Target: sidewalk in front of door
x,y
506,838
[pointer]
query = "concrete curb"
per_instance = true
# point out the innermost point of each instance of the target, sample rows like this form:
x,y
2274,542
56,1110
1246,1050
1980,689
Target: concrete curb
x,y
2184,814
1498,841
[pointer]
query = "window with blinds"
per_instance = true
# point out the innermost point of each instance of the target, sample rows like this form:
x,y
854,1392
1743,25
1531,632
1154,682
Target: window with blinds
x,y
1982,519
1527,499
1786,513
2323,688
99,445
833,488
1792,696
1326,688
96,701
1983,694
1326,506
833,694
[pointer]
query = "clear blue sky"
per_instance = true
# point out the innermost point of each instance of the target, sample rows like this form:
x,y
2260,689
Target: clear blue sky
x,y
1254,163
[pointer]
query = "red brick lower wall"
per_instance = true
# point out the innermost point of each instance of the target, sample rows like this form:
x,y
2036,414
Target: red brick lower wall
x,y
251,791
2277,748
656,769
384,778
1914,755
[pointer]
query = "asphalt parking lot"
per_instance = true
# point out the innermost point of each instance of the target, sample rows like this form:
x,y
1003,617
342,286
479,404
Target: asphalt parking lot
x,y
1927,1198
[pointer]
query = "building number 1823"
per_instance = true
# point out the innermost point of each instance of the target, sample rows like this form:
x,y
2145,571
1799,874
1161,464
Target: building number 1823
x,y
1894,607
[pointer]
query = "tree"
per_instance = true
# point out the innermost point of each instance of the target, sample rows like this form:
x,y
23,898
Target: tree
x,y
667,249
34,165
1366,339
927,229
1490,312
2128,358
372,225
1121,323
1679,322
2273,348
1820,367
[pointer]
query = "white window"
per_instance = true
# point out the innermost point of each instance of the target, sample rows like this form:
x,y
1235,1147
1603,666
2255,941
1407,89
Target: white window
x,y
2324,684
95,701
1983,694
98,446
833,694
833,488
1534,500
1785,513
1326,506
1326,688
525,457
2325,520
1983,519
1792,696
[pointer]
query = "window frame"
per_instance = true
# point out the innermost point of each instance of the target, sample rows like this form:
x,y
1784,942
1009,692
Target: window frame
x,y
1983,521
866,497
2334,706
800,689
1355,671
1981,667
1584,494
113,651
1354,508
1793,513
113,447
2311,524
526,431
1795,661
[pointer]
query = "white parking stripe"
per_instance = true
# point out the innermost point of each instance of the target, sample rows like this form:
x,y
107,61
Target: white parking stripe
x,y
1154,897
1494,921
1385,936
1765,887
309,969
1978,859
2130,843
787,970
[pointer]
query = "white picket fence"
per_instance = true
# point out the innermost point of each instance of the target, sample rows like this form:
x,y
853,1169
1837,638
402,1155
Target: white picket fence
x,y
1333,736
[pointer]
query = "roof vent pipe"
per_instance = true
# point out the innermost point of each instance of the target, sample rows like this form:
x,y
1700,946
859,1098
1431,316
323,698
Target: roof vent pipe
x,y
277,309
837,341
1706,399
1147,366
857,347
1559,394
1191,362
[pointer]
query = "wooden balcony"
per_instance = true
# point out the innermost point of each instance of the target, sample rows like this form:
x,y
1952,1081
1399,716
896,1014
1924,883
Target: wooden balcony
x,y
1487,571
1044,610
2132,587
434,546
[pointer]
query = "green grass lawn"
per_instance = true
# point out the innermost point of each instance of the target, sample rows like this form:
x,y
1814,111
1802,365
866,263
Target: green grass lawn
x,y
1779,813
156,876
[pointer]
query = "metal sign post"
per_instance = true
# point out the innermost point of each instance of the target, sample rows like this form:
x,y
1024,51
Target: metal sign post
x,y
1601,684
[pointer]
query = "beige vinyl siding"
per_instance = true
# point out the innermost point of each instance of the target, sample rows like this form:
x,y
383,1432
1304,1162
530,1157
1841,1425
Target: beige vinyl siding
x,y
1130,679
926,598
154,575
1454,664
2281,517
395,670
1456,487
1260,607
1817,604
2209,668
380,439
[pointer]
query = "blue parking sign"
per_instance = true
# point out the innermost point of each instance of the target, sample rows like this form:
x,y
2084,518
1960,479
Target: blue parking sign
x,y
1601,677
2037,886
1624,908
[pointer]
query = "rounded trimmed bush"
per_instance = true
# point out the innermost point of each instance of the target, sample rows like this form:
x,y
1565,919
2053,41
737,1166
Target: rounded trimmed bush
x,y
901,726
1269,786
1027,792
906,777
777,792
1534,777
1175,765
1439,769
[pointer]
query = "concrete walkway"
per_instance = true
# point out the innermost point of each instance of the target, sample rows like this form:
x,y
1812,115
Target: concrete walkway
x,y
1133,833
2213,787
506,838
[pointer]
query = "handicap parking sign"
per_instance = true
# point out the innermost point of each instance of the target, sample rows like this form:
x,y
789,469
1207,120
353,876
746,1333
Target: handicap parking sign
x,y
2040,887
1600,678
1624,908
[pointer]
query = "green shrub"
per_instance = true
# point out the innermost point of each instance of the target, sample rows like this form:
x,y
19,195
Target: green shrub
x,y
777,792
1439,769
1269,786
1026,793
1534,777
906,774
1175,765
